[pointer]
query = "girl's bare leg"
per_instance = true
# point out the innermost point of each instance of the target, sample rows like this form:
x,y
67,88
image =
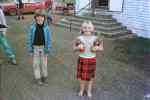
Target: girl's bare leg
x,y
89,88
82,87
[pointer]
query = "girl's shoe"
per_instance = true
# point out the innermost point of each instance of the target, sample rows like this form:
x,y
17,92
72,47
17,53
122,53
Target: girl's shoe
x,y
80,93
89,94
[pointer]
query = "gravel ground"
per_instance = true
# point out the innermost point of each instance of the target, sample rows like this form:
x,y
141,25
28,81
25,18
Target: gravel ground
x,y
120,75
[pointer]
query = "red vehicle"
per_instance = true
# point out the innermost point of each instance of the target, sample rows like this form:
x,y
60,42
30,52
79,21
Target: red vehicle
x,y
11,8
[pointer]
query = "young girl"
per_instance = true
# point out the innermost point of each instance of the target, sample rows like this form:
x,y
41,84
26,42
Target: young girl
x,y
39,44
87,45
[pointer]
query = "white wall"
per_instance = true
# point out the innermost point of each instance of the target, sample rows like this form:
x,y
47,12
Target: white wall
x,y
115,5
81,4
136,16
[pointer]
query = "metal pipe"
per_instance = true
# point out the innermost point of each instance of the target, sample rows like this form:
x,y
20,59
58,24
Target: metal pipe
x,y
93,7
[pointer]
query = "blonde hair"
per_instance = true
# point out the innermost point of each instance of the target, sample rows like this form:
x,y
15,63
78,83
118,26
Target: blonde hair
x,y
87,26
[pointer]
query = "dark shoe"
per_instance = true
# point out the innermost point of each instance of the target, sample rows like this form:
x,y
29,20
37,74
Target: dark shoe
x,y
44,80
19,18
39,82
22,17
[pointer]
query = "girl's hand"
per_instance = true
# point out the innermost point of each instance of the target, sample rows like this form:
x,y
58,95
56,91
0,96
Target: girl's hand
x,y
95,48
101,48
81,46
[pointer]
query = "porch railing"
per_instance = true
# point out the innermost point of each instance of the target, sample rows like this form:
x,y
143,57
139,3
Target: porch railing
x,y
75,13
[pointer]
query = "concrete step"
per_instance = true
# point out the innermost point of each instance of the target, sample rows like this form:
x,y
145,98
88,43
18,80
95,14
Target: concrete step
x,y
127,36
99,13
103,13
116,34
101,23
110,34
98,19
68,26
98,27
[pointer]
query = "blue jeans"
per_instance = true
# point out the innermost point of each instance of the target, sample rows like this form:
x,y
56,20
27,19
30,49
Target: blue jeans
x,y
6,46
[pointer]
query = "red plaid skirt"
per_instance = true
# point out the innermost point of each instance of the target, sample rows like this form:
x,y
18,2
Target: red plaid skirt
x,y
86,68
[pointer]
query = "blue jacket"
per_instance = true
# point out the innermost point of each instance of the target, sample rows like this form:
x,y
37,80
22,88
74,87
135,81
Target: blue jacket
x,y
31,36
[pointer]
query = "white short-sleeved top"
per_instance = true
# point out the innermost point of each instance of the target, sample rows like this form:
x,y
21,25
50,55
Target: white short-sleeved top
x,y
88,42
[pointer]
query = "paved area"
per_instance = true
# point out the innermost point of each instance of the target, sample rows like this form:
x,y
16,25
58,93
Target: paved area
x,y
120,75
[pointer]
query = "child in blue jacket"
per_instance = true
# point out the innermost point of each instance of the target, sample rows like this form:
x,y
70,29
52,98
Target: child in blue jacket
x,y
39,44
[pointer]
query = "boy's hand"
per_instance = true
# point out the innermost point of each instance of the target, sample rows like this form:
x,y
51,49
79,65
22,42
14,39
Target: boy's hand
x,y
30,60
31,54
46,51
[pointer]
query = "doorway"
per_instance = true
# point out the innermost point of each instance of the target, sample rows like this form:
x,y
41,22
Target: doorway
x,y
101,3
